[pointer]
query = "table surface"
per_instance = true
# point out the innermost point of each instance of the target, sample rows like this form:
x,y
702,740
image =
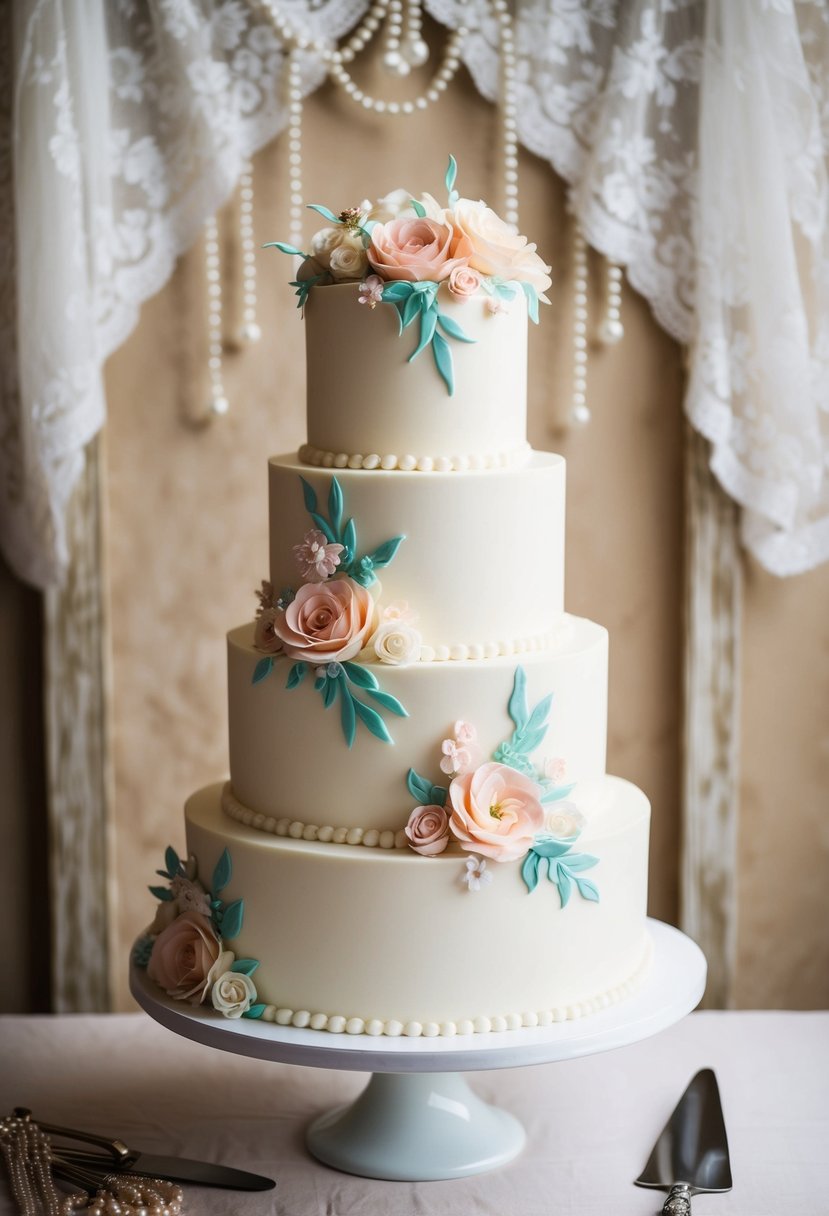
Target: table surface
x,y
590,1122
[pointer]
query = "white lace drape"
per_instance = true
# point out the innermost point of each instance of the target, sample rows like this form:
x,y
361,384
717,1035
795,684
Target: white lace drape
x,y
693,133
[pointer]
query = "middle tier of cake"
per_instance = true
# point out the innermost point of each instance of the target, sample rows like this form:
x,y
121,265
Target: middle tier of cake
x,y
289,758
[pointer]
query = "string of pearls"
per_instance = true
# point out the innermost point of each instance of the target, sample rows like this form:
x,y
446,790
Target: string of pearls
x,y
250,331
218,404
509,111
580,411
611,329
297,201
26,1155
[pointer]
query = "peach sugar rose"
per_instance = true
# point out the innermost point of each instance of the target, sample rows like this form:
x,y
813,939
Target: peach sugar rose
x,y
417,249
496,249
182,957
495,811
327,622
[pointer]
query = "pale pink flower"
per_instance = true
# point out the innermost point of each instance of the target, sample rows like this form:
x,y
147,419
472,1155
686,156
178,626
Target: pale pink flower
x,y
495,249
265,637
399,611
316,558
417,249
496,811
455,758
475,874
465,732
428,830
555,769
327,622
371,291
496,305
463,283
182,957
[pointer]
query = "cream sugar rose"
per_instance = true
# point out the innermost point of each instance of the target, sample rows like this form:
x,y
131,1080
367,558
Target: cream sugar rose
x,y
419,835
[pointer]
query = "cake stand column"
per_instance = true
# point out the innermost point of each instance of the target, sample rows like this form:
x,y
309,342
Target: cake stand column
x,y
410,1127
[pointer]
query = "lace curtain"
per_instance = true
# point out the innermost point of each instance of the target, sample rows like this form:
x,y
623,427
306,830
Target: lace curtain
x,y
693,134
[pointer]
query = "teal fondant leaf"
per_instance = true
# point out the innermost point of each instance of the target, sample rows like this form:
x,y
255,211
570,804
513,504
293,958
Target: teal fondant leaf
x,y
418,208
320,681
400,289
329,694
232,918
399,309
310,496
388,702
262,670
506,291
419,788
324,527
529,870
532,301
283,247
439,795
347,714
162,893
361,676
443,362
245,966
324,212
370,718
410,310
549,846
450,326
451,175
296,675
384,553
538,717
517,705
171,861
255,1011
528,740
349,542
222,873
588,889
580,861
335,506
562,881
559,791
428,321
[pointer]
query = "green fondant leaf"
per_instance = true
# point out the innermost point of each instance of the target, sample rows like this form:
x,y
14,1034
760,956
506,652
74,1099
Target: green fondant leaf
x,y
517,705
324,212
361,676
162,893
562,881
388,702
529,740
285,248
171,861
548,846
310,496
439,795
222,873
558,792
384,553
451,174
450,326
418,208
506,291
428,321
335,506
296,675
532,301
370,718
419,788
580,861
164,874
254,1012
347,714
399,309
349,542
588,889
245,966
329,695
400,289
215,904
320,681
409,310
232,918
529,870
538,717
324,527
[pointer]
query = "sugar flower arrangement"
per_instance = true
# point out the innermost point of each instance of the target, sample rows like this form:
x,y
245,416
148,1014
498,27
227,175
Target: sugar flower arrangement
x,y
185,951
500,807
332,624
413,253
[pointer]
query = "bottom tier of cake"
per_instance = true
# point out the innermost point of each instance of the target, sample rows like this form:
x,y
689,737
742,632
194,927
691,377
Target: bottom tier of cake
x,y
377,941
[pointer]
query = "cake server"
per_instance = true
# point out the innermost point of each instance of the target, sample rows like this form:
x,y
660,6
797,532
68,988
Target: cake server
x,y
691,1155
118,1158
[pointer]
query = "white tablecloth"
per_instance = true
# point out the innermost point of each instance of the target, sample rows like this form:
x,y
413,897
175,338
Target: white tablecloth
x,y
591,1122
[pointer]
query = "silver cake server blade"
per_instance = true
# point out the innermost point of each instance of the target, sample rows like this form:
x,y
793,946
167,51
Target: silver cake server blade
x,y
690,1156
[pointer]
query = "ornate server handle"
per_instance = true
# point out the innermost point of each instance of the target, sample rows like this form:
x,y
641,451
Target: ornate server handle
x,y
678,1202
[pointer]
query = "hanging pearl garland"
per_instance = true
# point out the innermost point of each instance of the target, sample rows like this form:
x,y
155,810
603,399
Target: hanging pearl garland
x,y
297,201
509,112
580,412
218,404
250,331
611,329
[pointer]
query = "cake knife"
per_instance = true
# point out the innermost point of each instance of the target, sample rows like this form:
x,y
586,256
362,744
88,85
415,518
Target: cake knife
x,y
690,1156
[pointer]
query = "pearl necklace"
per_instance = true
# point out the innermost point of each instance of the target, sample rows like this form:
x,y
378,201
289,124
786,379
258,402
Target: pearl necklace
x,y
610,329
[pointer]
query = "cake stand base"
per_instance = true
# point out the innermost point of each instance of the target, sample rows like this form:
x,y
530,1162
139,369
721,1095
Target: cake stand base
x,y
417,1120
412,1127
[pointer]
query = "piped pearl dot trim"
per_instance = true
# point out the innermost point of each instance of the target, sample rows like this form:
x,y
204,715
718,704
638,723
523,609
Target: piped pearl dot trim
x,y
411,463
461,652
498,1023
294,829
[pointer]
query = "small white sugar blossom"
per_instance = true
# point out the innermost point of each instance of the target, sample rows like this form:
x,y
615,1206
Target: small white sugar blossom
x,y
475,874
233,993
316,558
564,820
456,758
397,642
399,611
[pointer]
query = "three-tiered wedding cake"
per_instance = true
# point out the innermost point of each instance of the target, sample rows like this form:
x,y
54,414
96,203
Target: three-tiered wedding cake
x,y
418,835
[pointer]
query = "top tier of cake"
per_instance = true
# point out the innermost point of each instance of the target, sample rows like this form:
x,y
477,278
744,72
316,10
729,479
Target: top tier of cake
x,y
368,407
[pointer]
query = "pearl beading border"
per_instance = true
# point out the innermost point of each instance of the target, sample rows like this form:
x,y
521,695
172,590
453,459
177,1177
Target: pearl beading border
x,y
295,829
460,652
409,463
337,1023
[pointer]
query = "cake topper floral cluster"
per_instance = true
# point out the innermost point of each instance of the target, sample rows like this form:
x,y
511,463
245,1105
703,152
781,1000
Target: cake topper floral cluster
x,y
184,949
413,253
497,807
331,624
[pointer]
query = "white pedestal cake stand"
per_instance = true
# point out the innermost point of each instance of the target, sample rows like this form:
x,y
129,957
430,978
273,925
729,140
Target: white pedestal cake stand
x,y
418,1120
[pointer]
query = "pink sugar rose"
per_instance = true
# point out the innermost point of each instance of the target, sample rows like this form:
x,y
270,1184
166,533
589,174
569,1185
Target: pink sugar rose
x,y
495,811
463,283
495,249
327,622
264,632
182,957
428,830
417,249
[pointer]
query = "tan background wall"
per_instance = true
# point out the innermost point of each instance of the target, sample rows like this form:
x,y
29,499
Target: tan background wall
x,y
188,543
